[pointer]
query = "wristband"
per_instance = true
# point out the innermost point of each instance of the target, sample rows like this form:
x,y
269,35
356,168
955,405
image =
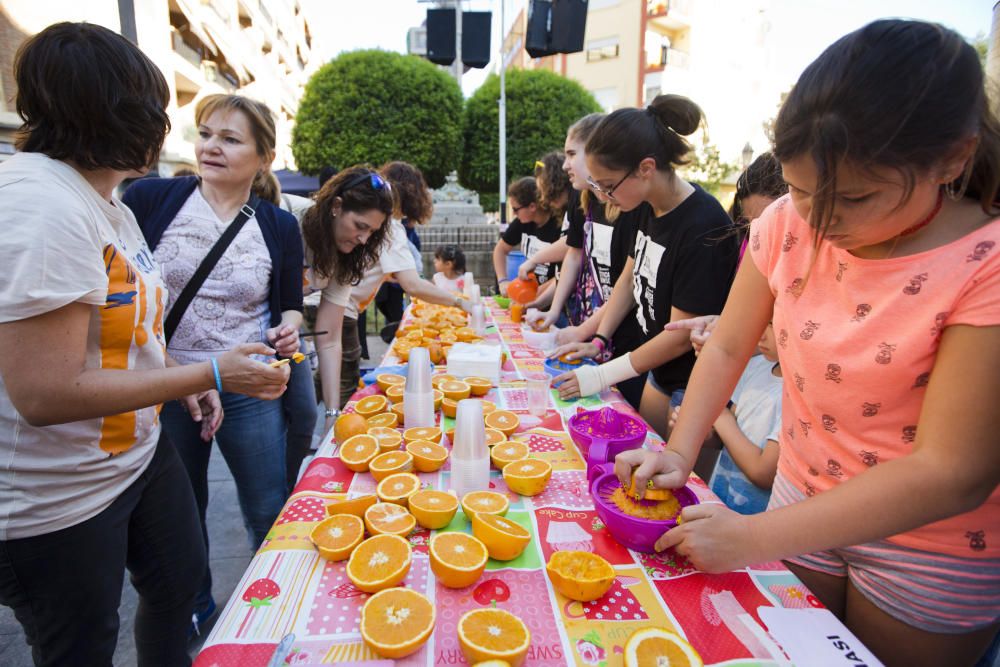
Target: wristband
x,y
218,377
333,413
603,339
592,379
599,343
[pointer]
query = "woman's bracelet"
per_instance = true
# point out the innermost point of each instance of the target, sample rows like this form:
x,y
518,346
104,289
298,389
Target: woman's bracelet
x,y
218,376
604,342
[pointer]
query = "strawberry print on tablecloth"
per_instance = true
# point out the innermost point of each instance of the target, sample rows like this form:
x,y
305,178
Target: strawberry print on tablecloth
x,y
714,611
522,593
578,530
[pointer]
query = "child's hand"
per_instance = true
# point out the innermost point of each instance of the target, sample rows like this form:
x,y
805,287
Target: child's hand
x,y
666,469
714,538
526,269
675,414
700,328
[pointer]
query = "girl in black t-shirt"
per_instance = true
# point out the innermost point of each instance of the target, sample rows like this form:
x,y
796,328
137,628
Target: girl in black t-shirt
x,y
681,264
534,228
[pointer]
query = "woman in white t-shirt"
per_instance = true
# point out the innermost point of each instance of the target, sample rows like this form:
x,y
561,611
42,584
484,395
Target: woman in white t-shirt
x,y
84,488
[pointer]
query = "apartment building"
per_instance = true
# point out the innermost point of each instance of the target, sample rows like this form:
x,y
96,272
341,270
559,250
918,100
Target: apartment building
x,y
714,51
261,48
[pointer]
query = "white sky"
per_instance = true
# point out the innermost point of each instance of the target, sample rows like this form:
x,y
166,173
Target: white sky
x,y
801,28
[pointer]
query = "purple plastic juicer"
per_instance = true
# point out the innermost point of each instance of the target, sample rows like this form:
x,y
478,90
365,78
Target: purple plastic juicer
x,y
632,532
603,434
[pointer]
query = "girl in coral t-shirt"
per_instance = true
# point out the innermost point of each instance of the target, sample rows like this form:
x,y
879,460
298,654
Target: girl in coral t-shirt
x,y
883,272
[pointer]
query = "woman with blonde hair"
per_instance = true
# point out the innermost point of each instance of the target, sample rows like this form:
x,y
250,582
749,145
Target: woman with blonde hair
x,y
253,293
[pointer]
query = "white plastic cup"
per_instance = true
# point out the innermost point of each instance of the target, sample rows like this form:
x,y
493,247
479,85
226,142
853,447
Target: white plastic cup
x,y
477,294
468,284
418,370
538,393
418,394
477,319
470,457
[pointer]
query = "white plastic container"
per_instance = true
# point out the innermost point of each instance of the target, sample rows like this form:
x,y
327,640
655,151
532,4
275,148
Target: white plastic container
x,y
418,396
470,456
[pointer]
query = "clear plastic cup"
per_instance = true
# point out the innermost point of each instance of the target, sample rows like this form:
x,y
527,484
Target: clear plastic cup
x,y
468,283
470,457
538,393
418,395
477,319
418,370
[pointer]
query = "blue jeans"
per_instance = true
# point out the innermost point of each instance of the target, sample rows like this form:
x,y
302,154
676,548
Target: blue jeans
x,y
252,440
299,402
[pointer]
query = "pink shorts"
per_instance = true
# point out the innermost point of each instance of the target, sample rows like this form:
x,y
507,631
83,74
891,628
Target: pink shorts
x,y
930,591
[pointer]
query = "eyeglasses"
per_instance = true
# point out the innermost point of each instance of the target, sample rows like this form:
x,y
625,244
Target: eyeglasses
x,y
610,192
518,208
377,182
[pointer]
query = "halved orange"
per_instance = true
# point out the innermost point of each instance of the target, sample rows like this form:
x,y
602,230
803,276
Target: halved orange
x,y
479,386
379,562
508,452
528,477
389,519
456,390
504,539
449,407
433,509
402,350
395,393
438,399
651,493
466,333
503,420
348,425
358,451
371,405
389,439
494,437
355,506
457,559
336,537
488,407
397,488
384,420
489,502
397,410
656,646
397,622
427,456
432,433
438,379
386,380
580,575
493,634
386,464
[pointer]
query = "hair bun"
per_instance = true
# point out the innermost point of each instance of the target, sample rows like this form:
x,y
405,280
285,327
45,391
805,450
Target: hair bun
x,y
677,112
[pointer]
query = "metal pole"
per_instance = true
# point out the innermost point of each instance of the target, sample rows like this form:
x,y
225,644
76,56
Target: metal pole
x,y
503,121
459,66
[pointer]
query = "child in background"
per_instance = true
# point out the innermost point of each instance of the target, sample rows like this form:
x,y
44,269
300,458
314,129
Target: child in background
x,y
881,272
449,262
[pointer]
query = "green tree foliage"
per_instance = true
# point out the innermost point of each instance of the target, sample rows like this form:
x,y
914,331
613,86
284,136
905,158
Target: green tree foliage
x,y
374,106
707,168
541,105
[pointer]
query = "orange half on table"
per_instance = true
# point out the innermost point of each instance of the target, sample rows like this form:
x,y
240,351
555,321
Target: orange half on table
x,y
386,380
580,575
397,622
358,451
456,390
479,386
489,502
493,634
528,477
370,406
656,646
438,379
389,439
398,488
379,562
494,437
395,393
433,509
504,421
504,539
457,559
449,407
389,519
337,536
386,464
397,410
383,420
432,433
507,452
427,456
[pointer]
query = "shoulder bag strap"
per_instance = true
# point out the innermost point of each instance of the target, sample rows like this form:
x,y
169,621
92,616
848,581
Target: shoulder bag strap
x,y
206,266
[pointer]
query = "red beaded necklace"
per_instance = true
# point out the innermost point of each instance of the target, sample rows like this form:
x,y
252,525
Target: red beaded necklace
x,y
926,221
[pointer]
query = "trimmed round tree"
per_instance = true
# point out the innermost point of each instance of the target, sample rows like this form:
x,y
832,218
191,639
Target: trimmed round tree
x,y
374,106
541,105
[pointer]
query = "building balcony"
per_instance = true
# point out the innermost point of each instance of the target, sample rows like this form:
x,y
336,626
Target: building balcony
x,y
184,50
669,14
665,58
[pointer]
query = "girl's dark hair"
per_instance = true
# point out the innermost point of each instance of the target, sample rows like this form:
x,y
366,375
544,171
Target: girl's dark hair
x,y
413,199
525,191
896,94
318,223
763,177
627,136
89,96
453,254
553,182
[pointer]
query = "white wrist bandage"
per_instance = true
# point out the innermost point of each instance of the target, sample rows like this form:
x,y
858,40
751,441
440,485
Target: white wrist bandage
x,y
593,379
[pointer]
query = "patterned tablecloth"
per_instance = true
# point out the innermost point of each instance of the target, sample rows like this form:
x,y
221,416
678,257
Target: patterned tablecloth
x,y
718,613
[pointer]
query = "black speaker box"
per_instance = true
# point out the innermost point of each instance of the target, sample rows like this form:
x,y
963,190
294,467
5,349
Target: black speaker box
x,y
476,29
537,40
569,23
441,36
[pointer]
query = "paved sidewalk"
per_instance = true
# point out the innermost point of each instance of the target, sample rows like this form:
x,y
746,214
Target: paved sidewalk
x,y
230,554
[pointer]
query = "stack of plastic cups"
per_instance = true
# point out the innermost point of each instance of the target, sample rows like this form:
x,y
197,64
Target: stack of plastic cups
x,y
477,294
468,283
470,457
418,396
477,319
